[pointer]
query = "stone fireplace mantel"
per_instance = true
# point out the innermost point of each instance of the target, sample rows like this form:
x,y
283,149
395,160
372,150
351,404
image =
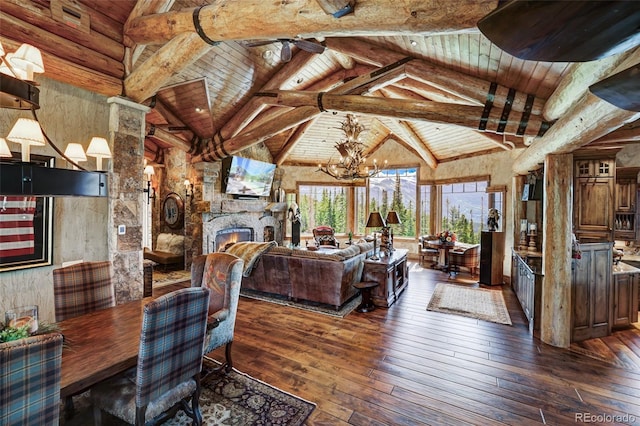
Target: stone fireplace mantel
x,y
255,214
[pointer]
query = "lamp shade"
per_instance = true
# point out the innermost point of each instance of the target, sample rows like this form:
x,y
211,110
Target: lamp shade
x,y
393,218
375,220
149,171
26,131
4,148
99,147
75,152
29,59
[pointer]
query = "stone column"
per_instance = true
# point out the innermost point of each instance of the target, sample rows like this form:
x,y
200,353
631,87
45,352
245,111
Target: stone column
x,y
555,328
126,131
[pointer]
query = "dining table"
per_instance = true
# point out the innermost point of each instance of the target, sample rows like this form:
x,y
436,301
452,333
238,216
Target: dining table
x,y
443,247
99,345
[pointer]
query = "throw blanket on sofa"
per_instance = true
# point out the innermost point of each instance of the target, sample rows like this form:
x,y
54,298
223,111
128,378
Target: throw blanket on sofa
x,y
250,252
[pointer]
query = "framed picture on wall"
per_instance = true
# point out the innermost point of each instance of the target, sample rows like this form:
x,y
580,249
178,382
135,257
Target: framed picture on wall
x,y
26,224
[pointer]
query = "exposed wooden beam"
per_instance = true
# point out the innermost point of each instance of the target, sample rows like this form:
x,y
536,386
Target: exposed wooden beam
x,y
629,133
588,119
460,115
257,19
431,93
167,137
417,144
150,76
281,157
582,75
331,7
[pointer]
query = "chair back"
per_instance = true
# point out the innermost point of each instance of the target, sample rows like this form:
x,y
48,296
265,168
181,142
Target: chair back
x,y
30,380
222,274
324,235
171,342
82,288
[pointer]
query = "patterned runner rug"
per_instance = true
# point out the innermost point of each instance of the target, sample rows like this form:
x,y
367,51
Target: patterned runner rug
x,y
233,399
487,305
161,279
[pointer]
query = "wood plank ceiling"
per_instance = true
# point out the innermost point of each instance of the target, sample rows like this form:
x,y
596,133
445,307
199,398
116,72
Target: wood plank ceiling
x,y
213,98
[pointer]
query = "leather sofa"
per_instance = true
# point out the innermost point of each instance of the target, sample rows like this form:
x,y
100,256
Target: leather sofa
x,y
324,276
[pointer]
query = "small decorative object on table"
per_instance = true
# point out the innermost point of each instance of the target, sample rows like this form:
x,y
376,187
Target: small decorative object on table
x,y
493,220
447,237
23,322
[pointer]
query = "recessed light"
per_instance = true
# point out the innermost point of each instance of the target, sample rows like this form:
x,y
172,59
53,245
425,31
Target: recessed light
x,y
198,109
413,43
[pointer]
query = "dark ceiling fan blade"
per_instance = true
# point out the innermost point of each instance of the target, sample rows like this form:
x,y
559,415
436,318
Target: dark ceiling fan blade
x,y
621,89
309,46
259,43
285,53
563,31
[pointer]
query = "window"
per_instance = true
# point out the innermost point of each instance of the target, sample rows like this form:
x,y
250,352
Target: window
x,y
323,205
360,209
465,207
425,209
396,189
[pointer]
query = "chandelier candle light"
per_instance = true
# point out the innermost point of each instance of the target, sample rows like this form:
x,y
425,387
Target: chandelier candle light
x,y
352,158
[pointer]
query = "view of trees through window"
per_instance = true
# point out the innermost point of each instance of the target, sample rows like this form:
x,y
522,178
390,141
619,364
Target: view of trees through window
x,y
425,208
465,207
323,205
396,189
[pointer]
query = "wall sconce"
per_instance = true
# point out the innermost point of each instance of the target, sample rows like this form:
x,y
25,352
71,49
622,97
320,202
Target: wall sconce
x,y
188,186
99,148
151,192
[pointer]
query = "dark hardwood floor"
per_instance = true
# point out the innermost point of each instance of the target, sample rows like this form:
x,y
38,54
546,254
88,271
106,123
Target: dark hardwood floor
x,y
408,366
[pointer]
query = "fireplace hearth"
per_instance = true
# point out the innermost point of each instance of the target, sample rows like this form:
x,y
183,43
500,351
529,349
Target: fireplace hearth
x,y
232,235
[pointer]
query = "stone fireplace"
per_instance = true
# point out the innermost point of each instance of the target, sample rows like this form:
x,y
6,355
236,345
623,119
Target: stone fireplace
x,y
251,216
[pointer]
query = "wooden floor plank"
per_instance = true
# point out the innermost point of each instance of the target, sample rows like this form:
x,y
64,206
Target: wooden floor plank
x,y
408,366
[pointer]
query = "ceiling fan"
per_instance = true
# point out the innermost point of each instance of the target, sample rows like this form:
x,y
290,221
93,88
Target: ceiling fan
x,y
572,31
285,53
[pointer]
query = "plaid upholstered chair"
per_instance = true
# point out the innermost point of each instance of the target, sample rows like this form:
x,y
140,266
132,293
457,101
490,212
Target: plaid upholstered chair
x,y
426,251
464,256
222,274
82,288
30,380
167,377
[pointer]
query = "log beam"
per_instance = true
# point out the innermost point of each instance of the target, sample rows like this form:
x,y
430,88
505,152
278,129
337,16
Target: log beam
x,y
589,119
460,115
167,137
281,157
257,19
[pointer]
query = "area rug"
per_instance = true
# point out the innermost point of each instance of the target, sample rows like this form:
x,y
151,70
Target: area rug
x,y
234,399
487,305
344,310
161,279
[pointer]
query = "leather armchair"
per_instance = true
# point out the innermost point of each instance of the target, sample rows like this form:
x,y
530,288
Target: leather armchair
x,y
222,274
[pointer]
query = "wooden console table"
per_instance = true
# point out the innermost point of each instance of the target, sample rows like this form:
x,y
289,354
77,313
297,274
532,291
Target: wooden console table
x,y
392,275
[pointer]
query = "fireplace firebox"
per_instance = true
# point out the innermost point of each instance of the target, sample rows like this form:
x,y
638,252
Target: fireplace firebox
x,y
232,235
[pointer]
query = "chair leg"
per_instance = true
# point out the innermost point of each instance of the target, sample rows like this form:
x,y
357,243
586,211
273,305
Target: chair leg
x,y
226,366
69,409
97,415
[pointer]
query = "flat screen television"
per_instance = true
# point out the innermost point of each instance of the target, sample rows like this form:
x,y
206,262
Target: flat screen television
x,y
244,177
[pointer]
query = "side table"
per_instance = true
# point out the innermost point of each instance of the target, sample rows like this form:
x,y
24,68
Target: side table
x,y
367,301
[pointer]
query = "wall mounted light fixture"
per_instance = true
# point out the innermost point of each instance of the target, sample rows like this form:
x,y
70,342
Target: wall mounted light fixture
x,y
150,190
188,186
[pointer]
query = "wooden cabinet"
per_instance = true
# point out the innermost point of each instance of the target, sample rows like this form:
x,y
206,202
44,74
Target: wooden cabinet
x,y
625,220
593,200
625,299
491,258
392,275
591,293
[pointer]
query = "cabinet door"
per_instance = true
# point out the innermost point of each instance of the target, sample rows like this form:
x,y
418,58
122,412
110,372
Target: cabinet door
x,y
625,299
593,208
591,294
625,196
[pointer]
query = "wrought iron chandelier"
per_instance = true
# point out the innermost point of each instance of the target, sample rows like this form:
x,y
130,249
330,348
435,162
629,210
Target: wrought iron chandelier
x,y
351,165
